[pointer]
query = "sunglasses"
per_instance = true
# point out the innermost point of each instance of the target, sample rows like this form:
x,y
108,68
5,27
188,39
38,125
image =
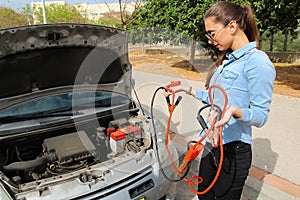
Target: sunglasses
x,y
211,36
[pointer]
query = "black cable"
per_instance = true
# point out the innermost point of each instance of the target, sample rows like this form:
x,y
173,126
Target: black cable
x,y
200,118
203,125
156,144
219,110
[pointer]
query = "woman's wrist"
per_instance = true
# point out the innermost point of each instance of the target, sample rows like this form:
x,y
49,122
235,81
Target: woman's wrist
x,y
236,112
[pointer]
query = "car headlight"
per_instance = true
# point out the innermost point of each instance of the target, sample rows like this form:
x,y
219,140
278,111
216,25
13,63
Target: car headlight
x,y
160,123
166,159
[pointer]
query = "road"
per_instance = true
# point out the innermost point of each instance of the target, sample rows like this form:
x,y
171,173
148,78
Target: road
x,y
275,146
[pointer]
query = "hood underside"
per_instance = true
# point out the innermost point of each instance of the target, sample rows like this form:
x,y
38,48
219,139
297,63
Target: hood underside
x,y
41,57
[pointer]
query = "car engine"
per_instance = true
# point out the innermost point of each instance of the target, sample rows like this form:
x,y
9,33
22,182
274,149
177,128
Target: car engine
x,y
52,154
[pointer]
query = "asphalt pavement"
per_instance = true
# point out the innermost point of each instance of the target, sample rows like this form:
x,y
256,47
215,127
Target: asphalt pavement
x,y
276,153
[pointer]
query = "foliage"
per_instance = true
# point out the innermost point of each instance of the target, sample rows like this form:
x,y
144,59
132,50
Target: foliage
x,y
10,18
127,12
174,22
126,17
112,22
59,13
27,12
186,16
293,44
181,21
277,15
111,19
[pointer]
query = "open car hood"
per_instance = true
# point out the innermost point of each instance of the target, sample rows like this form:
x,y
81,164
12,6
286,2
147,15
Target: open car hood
x,y
38,59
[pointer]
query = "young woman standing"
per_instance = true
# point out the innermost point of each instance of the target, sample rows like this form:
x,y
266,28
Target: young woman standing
x,y
247,75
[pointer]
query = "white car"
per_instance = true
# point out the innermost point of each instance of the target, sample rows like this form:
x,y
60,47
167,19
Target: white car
x,y
69,128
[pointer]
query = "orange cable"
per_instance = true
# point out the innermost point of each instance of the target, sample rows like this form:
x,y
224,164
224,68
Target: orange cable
x,y
200,179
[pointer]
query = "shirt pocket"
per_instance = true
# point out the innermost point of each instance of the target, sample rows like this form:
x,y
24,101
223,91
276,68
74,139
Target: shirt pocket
x,y
228,79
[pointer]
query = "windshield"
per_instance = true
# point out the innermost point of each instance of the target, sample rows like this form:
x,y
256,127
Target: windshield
x,y
64,102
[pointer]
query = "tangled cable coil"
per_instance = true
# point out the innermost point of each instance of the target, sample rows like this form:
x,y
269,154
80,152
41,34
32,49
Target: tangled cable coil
x,y
197,147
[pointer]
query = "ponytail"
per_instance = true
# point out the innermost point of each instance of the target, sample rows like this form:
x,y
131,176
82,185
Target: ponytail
x,y
251,29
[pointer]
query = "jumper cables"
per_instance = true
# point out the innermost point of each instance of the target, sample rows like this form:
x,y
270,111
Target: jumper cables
x,y
197,146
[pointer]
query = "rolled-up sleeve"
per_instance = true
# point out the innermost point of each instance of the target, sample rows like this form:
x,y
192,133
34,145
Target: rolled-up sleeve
x,y
261,74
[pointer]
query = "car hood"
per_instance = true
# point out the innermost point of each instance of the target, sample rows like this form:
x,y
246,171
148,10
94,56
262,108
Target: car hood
x,y
41,59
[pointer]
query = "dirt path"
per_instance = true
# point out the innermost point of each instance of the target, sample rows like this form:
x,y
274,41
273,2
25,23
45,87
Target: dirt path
x,y
287,80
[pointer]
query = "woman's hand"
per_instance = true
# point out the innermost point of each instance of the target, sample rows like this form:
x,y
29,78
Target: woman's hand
x,y
230,112
176,89
187,90
213,136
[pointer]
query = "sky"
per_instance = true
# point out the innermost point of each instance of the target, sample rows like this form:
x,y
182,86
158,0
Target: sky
x,y
17,5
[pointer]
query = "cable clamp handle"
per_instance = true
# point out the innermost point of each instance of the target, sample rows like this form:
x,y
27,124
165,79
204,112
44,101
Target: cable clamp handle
x,y
191,155
172,84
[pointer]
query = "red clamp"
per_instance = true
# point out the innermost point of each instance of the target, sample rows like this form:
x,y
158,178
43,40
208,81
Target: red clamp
x,y
172,84
191,155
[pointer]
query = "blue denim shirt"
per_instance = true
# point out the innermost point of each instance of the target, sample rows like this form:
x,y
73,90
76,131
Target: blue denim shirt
x,y
247,75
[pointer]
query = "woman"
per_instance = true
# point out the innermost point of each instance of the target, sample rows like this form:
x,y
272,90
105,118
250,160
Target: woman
x,y
247,75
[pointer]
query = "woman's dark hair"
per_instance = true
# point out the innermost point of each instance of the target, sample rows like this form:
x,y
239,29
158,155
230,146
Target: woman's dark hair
x,y
225,12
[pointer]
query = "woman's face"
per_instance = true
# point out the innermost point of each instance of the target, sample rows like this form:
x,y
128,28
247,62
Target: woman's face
x,y
218,34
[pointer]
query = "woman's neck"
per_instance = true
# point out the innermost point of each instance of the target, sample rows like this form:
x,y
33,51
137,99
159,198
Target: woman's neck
x,y
239,41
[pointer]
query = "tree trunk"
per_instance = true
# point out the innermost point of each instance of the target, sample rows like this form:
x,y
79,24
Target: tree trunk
x,y
143,41
271,41
286,33
192,53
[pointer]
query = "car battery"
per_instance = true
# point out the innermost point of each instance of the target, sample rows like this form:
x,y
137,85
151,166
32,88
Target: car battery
x,y
119,137
117,141
131,131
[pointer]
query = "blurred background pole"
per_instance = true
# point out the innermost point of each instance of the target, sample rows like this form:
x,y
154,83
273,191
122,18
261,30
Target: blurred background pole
x,y
44,11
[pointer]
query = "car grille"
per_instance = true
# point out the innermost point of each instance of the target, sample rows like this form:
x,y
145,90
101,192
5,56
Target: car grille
x,y
118,186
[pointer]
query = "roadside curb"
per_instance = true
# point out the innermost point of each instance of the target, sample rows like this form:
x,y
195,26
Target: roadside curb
x,y
262,185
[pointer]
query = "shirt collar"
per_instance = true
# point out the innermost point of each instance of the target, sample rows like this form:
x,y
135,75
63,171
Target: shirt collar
x,y
240,52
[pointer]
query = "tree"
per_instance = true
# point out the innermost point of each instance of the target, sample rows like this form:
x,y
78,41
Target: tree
x,y
26,10
126,16
111,19
10,18
293,45
277,15
183,16
288,16
59,13
186,16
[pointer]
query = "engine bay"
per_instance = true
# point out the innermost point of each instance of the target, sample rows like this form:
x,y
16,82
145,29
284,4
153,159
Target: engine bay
x,y
53,153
